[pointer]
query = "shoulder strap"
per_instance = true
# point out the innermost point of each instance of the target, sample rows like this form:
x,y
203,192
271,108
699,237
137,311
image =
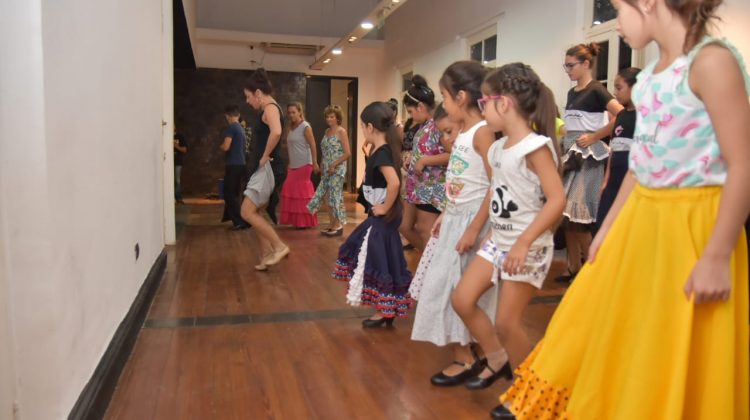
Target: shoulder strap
x,y
708,40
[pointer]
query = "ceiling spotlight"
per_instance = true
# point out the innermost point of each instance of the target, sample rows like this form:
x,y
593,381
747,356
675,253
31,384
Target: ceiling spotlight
x,y
352,38
367,25
395,1
597,22
336,51
326,61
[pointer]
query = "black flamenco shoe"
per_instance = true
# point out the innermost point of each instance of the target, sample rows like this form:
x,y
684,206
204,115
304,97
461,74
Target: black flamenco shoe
x,y
478,382
500,412
441,379
375,323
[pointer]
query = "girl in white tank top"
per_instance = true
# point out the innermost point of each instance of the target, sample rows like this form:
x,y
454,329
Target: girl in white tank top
x,y
458,229
525,200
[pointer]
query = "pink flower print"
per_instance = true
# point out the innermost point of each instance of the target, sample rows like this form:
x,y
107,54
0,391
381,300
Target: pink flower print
x,y
660,173
647,152
665,120
679,69
643,110
688,128
704,160
678,180
657,102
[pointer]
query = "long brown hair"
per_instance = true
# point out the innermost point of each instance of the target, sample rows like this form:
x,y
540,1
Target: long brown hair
x,y
535,100
380,115
697,14
466,76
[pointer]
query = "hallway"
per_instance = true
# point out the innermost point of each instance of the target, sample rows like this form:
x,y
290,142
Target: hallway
x,y
223,341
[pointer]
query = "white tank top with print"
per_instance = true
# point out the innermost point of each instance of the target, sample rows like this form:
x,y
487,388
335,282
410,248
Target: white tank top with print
x,y
466,180
517,195
675,145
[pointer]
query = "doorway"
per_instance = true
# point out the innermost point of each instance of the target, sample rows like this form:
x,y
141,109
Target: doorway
x,y
342,91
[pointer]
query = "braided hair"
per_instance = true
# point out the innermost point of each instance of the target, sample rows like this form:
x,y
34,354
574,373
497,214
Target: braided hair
x,y
534,99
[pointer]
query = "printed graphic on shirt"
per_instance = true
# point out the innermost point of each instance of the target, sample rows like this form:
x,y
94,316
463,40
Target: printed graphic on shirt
x,y
502,205
584,110
457,166
453,189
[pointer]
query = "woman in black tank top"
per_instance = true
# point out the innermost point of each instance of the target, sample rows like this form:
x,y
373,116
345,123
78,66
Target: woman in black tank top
x,y
267,149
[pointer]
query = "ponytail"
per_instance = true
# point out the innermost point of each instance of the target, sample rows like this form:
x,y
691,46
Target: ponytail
x,y
544,119
380,115
697,14
535,100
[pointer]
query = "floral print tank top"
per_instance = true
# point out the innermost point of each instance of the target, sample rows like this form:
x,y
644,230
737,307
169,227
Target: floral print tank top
x,y
675,143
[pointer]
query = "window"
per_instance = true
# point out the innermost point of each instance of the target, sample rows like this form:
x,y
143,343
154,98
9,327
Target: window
x,y
615,54
483,46
603,12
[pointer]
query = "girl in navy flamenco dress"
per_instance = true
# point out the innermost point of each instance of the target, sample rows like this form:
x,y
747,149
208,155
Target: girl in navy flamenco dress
x,y
372,259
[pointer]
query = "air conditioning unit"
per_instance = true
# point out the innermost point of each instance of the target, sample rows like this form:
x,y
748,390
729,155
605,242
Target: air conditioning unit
x,y
291,49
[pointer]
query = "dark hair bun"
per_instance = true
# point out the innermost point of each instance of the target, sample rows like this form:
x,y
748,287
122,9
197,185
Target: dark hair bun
x,y
259,81
419,81
594,48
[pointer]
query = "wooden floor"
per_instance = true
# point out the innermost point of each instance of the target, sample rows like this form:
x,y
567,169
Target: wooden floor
x,y
223,341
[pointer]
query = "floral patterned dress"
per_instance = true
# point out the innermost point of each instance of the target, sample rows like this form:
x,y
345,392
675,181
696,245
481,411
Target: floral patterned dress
x,y
429,186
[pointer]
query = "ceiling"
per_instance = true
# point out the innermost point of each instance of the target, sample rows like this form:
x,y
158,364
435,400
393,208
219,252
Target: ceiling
x,y
323,18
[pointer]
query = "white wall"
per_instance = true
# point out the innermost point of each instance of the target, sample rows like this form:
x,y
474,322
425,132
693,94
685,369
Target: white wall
x,y
535,32
81,183
735,25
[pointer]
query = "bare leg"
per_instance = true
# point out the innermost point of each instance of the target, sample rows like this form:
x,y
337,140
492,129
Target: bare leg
x,y
573,248
425,220
514,299
251,213
475,281
584,239
407,226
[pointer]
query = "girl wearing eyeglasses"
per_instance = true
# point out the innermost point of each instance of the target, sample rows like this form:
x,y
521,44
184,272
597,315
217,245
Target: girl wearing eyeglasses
x,y
459,228
525,202
584,153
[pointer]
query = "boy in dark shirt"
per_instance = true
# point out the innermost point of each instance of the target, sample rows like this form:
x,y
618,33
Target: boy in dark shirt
x,y
233,146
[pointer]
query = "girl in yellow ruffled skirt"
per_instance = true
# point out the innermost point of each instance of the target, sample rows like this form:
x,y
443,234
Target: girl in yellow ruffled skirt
x,y
656,324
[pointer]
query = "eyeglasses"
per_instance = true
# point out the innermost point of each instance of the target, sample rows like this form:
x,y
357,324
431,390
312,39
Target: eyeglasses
x,y
569,66
481,102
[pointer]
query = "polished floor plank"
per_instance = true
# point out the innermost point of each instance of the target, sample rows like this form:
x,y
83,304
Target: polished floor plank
x,y
223,341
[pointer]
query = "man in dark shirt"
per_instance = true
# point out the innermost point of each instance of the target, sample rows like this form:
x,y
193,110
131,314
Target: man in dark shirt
x,y
233,146
180,149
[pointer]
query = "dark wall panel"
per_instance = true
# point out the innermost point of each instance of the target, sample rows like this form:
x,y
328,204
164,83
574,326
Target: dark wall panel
x,y
200,98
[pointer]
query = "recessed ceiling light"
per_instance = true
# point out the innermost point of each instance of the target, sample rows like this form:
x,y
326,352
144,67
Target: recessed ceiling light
x,y
326,61
337,51
352,38
367,25
597,22
395,1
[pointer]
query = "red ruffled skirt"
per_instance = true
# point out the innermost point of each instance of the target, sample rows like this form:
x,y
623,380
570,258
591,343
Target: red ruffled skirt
x,y
295,194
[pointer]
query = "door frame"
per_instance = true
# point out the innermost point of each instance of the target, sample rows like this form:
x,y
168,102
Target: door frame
x,y
353,119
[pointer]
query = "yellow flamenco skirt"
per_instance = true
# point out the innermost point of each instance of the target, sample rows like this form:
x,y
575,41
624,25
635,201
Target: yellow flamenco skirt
x,y
625,343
